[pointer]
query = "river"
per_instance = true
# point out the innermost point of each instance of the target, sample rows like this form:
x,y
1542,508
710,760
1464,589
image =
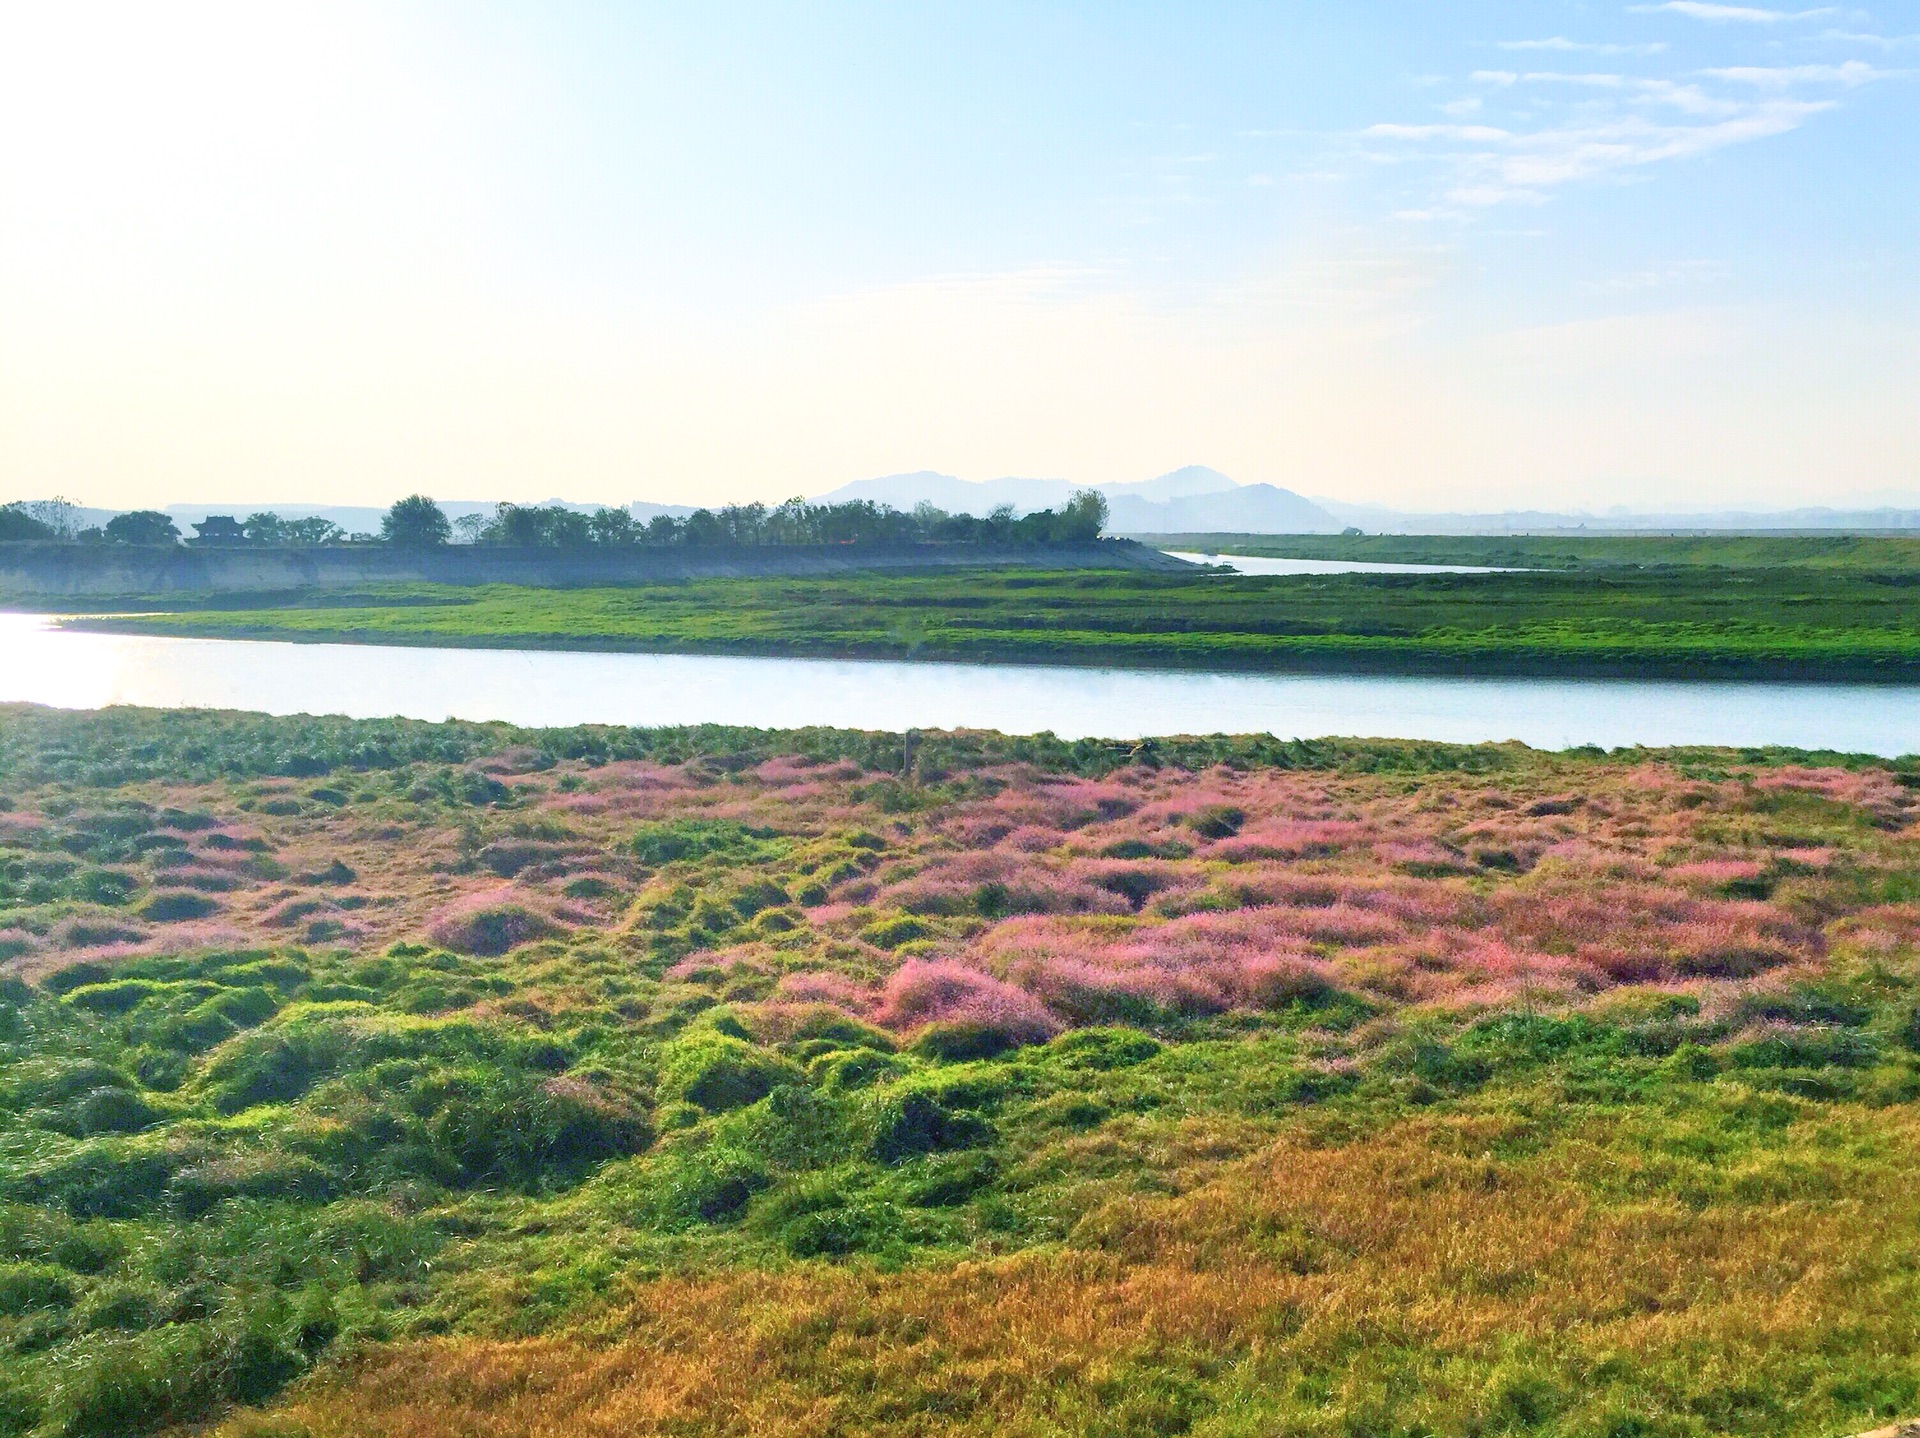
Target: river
x,y
1267,564
71,669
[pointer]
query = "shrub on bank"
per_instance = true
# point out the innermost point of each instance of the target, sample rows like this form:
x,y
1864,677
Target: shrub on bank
x,y
490,926
718,1072
172,906
921,992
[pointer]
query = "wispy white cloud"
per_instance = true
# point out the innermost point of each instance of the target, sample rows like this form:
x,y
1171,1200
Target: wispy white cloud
x,y
1746,14
1690,99
1493,166
1478,133
1562,43
1555,157
1780,77
1884,42
1561,77
1563,126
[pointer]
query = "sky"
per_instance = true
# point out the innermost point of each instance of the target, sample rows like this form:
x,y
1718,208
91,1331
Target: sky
x,y
1461,256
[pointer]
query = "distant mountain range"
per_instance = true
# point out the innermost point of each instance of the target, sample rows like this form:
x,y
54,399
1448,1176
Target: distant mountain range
x,y
1190,500
1198,500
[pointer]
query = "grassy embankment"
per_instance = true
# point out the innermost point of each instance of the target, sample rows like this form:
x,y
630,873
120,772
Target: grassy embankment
x,y
1688,621
415,1079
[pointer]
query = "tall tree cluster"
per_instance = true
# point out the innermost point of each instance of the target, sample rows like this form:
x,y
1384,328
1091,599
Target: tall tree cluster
x,y
857,522
416,522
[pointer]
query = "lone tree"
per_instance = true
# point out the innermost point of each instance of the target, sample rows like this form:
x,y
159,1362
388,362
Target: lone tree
x,y
416,522
1084,516
60,515
142,526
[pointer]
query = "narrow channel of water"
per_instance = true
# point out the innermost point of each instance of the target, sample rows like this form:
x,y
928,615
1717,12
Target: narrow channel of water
x,y
1266,564
69,669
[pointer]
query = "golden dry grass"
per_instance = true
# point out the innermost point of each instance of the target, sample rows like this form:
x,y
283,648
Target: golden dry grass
x,y
1410,1281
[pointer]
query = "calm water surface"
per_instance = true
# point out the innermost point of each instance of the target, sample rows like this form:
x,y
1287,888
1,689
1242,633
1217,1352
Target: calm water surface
x,y
46,665
1260,564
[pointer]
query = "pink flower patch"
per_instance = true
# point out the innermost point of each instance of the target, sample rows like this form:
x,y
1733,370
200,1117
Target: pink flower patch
x,y
495,920
1293,839
1712,872
994,883
1206,963
823,986
922,993
1423,856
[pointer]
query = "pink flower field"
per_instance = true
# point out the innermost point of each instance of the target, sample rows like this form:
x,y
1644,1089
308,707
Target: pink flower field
x,y
1031,902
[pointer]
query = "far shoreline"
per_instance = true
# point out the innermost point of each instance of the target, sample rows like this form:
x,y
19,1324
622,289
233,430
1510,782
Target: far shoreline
x,y
1675,667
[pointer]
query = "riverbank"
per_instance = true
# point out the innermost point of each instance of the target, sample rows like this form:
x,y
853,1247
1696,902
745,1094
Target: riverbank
x,y
37,572
1682,623
1470,656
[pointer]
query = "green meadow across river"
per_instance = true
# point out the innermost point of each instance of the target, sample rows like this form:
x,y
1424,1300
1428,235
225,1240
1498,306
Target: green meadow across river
x,y
1788,609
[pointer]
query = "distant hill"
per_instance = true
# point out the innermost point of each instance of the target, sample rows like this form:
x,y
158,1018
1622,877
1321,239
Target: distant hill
x,y
1194,479
956,496
1192,499
1247,508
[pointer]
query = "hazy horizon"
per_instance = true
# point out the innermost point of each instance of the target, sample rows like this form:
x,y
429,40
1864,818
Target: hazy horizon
x,y
1907,501
1555,256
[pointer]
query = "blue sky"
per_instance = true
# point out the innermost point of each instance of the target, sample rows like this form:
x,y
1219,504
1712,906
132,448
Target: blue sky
x,y
1471,255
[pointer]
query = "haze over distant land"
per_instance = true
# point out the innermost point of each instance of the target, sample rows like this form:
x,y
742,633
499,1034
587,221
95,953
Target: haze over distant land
x,y
1199,500
1192,500
1461,258
1380,520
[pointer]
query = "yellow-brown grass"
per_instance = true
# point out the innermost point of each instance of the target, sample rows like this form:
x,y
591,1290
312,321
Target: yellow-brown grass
x,y
1414,1271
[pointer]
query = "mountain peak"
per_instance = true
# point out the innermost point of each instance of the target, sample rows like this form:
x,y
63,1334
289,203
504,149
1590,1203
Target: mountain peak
x,y
1194,499
1182,483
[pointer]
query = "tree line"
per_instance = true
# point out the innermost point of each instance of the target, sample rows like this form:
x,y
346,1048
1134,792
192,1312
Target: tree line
x,y
56,519
416,522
